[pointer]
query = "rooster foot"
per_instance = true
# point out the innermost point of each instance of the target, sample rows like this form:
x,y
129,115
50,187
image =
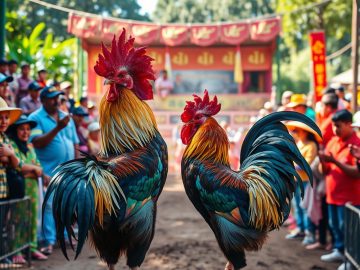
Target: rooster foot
x,y
229,266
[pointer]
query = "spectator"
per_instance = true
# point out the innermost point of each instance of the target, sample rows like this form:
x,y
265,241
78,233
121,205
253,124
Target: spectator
x,y
4,66
163,85
42,76
298,104
285,99
4,90
31,102
66,87
84,103
94,138
8,116
307,142
19,133
23,81
342,178
54,139
14,86
78,116
329,105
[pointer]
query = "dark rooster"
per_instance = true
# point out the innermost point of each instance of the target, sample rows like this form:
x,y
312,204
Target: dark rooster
x,y
114,194
241,207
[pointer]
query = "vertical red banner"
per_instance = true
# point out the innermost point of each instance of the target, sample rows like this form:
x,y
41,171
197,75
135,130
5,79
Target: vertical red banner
x,y
318,57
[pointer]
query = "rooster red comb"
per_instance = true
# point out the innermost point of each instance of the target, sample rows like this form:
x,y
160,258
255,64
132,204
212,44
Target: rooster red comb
x,y
126,66
200,106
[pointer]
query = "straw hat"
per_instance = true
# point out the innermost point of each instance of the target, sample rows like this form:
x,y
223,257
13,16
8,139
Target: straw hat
x,y
291,125
14,113
296,100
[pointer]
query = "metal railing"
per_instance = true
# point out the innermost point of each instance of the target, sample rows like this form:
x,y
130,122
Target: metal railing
x,y
15,231
352,235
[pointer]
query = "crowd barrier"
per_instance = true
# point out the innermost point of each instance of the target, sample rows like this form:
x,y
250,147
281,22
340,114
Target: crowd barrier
x,y
15,231
352,235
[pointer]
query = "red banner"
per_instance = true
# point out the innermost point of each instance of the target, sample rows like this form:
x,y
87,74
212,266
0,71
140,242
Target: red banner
x,y
265,30
111,28
101,29
318,57
145,33
84,27
234,33
174,35
204,35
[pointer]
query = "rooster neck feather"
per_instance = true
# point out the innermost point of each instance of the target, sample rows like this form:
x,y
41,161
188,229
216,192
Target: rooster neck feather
x,y
127,124
210,142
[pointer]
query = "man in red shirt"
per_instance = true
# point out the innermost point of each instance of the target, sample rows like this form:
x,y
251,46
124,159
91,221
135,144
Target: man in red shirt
x,y
329,105
342,178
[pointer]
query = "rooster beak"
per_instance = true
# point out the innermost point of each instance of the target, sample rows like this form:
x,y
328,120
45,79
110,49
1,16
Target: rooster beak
x,y
108,81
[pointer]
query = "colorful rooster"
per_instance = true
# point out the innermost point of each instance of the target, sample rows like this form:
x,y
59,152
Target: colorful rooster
x,y
114,194
241,207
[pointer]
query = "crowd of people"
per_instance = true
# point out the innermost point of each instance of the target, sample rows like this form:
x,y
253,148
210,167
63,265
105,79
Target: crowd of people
x,y
41,126
318,217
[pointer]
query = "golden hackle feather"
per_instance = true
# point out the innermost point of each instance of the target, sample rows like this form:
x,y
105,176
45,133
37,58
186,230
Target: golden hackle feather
x,y
127,124
207,144
210,143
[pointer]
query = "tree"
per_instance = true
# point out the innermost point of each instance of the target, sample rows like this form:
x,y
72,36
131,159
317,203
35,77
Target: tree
x,y
200,11
40,53
56,20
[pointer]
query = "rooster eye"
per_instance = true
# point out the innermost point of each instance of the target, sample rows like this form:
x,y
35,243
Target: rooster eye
x,y
120,75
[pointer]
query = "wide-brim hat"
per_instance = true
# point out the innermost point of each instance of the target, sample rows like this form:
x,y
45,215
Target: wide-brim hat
x,y
296,100
24,120
291,125
14,113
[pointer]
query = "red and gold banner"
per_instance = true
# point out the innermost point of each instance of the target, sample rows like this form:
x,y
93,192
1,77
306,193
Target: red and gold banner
x,y
204,35
174,35
145,33
265,30
102,29
318,57
234,33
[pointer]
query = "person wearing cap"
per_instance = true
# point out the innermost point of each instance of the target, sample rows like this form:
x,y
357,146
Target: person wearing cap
x,y
31,102
329,105
13,66
4,90
78,117
307,141
4,66
42,76
8,115
55,140
342,178
24,80
19,133
298,103
94,138
69,102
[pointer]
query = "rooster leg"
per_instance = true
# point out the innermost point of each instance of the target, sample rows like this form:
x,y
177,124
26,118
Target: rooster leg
x,y
229,266
111,266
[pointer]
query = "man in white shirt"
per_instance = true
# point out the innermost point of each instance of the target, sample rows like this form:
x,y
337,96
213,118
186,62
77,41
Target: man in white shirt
x,y
163,85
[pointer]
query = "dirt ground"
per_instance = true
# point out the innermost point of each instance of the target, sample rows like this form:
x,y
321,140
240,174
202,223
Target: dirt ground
x,y
184,241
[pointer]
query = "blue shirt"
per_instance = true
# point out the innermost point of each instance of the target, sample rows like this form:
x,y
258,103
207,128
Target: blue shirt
x,y
61,148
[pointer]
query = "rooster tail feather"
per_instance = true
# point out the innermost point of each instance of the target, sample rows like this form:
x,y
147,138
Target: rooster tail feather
x,y
267,159
82,188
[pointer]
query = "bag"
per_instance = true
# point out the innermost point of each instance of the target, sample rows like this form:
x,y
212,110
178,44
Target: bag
x,y
16,183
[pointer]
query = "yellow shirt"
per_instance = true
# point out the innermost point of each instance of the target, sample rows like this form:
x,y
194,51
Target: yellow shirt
x,y
308,150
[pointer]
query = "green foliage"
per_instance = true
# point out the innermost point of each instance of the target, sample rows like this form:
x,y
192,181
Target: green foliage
x,y
53,55
56,21
199,11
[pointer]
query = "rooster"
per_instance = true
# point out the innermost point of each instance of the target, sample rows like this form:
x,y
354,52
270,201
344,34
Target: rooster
x,y
114,194
240,207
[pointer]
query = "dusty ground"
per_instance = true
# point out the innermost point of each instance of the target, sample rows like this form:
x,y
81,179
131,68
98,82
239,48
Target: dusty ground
x,y
184,241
